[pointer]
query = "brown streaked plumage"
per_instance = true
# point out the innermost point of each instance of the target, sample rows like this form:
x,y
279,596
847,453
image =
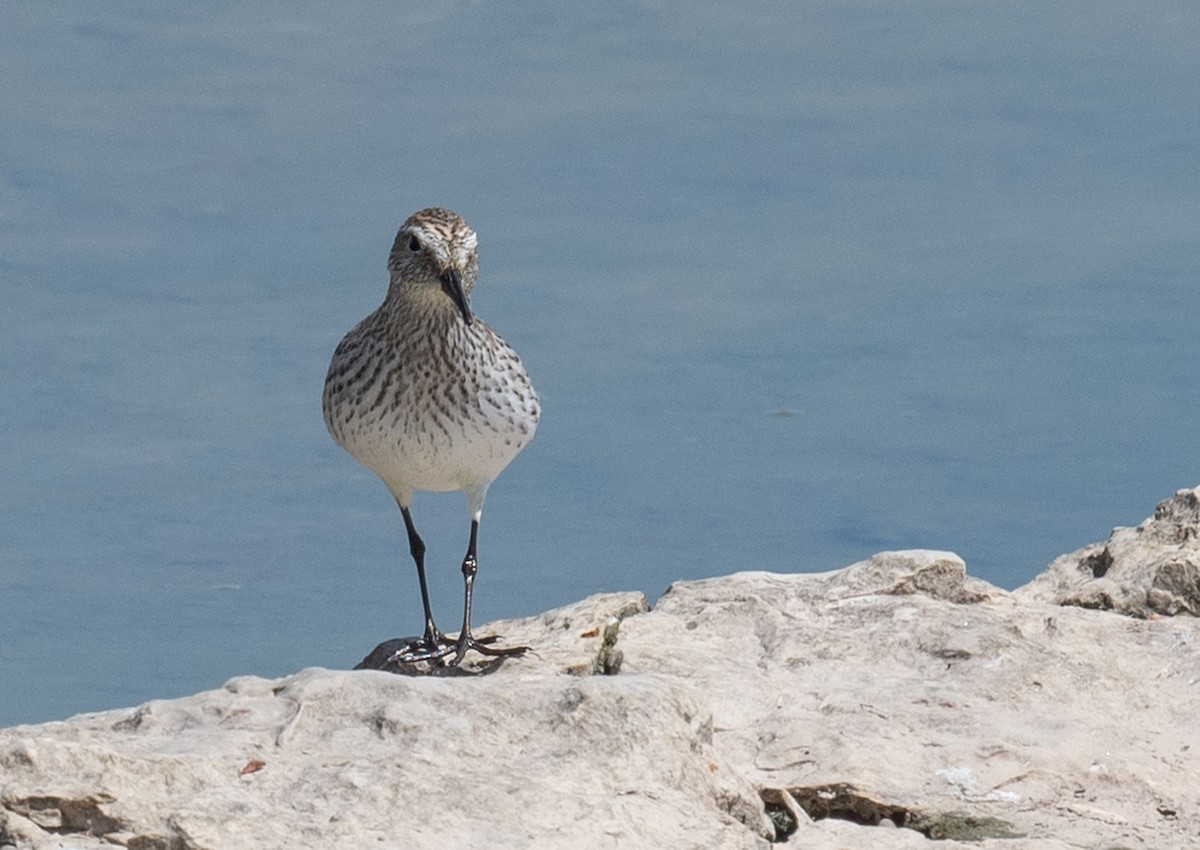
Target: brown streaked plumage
x,y
428,397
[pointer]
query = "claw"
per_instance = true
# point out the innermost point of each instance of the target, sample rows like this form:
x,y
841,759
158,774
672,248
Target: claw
x,y
423,650
451,651
467,642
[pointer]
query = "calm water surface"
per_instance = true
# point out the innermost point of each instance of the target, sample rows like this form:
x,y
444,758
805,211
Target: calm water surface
x,y
797,283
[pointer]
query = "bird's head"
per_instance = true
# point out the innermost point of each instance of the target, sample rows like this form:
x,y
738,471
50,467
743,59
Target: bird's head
x,y
433,259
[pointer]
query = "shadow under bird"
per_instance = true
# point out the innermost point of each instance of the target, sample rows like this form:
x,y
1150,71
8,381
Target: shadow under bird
x,y
428,397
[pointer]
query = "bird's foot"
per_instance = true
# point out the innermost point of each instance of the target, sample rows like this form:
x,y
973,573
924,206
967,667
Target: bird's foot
x,y
429,648
440,654
450,652
467,641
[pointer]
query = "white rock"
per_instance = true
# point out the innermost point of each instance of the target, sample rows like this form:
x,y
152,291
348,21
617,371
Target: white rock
x,y
530,756
884,705
1144,571
868,692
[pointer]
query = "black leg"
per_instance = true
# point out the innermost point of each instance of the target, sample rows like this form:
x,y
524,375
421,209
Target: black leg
x,y
466,640
435,647
470,567
433,638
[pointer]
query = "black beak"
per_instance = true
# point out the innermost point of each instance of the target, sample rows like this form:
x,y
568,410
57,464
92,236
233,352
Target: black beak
x,y
452,286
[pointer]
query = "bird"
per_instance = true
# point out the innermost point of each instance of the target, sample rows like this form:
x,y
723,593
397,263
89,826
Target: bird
x,y
428,397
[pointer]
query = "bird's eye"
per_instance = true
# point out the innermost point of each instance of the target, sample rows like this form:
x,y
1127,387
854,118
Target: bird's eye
x,y
414,244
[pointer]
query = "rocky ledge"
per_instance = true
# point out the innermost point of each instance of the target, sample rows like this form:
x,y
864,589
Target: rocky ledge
x,y
891,704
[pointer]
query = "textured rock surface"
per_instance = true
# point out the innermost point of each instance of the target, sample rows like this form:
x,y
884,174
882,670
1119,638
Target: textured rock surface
x,y
1151,569
892,704
531,756
899,691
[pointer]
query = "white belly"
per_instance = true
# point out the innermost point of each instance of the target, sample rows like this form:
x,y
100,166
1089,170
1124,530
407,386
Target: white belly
x,y
428,450
426,420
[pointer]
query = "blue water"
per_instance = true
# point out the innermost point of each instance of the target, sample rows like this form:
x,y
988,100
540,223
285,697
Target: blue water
x,y
797,283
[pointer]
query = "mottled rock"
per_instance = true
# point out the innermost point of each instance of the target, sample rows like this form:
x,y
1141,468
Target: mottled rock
x,y
1152,569
527,757
869,701
891,704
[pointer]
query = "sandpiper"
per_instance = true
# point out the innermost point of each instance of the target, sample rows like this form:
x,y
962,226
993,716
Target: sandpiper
x,y
428,397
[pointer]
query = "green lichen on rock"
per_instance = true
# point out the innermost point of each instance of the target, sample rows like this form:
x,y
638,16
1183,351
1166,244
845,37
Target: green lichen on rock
x,y
608,658
959,826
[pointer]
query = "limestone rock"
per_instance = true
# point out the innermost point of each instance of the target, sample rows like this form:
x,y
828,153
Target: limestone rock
x,y
896,703
529,756
972,718
1143,571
